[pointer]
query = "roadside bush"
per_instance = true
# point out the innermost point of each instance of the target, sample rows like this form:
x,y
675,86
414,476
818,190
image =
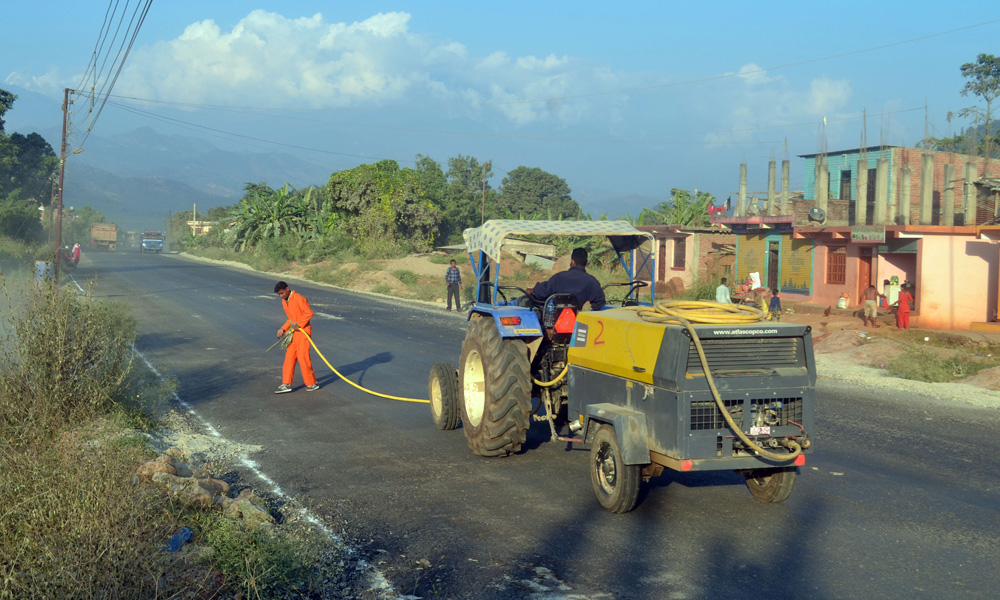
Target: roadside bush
x,y
405,276
68,359
74,525
701,289
268,564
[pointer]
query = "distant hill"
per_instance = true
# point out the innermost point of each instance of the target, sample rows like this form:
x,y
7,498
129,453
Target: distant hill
x,y
134,203
142,175
196,162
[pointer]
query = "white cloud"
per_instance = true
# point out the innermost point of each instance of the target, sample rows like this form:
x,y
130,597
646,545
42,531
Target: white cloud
x,y
269,60
753,106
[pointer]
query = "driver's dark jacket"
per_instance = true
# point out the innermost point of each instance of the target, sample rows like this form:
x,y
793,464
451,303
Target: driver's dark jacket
x,y
576,281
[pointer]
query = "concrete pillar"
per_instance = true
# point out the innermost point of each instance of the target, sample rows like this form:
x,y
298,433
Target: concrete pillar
x,y
904,196
926,189
861,197
970,194
822,186
948,196
741,204
881,191
771,204
786,168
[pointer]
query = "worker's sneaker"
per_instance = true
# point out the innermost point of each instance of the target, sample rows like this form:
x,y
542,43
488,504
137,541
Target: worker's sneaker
x,y
312,388
283,389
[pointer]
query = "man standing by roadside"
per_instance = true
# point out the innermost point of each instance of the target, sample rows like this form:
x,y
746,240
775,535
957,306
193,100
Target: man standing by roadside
x,y
299,316
869,300
453,277
722,292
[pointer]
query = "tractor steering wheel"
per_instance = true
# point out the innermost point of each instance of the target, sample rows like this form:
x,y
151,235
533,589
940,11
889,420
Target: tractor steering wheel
x,y
524,293
633,287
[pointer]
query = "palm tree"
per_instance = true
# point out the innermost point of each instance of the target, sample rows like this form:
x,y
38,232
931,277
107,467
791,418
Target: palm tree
x,y
684,208
264,213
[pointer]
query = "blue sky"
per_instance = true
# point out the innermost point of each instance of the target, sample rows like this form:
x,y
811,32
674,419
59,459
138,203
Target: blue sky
x,y
618,100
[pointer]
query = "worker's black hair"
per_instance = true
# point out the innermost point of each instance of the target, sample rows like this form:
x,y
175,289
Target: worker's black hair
x,y
724,281
579,256
280,286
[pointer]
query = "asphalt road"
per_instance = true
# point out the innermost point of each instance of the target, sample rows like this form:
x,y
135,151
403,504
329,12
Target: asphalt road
x,y
899,498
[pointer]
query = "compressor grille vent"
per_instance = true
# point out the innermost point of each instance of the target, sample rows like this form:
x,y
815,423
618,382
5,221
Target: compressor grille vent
x,y
746,354
705,414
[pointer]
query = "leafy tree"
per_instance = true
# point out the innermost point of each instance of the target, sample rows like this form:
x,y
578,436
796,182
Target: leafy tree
x,y
264,214
684,208
529,192
8,151
467,192
34,166
76,225
983,81
383,209
6,102
19,219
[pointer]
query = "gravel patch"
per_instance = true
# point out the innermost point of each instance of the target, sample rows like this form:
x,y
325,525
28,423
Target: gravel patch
x,y
839,368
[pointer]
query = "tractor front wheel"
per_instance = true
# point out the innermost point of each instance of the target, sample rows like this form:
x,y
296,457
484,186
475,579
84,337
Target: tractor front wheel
x,y
771,485
443,387
495,386
616,484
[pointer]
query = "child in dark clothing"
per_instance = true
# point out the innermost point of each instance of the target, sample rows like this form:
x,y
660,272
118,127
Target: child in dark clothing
x,y
774,307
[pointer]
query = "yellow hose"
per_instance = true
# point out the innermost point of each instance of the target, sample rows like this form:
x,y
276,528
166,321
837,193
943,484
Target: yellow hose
x,y
554,381
680,312
363,389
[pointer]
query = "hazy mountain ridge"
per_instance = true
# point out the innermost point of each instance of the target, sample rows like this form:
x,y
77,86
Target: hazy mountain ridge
x,y
134,203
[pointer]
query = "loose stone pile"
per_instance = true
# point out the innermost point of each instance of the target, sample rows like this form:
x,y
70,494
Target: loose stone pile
x,y
193,486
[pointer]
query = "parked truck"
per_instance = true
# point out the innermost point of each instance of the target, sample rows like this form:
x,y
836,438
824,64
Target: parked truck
x,y
151,241
104,235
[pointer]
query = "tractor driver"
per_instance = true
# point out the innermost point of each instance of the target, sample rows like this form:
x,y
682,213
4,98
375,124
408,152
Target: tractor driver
x,y
576,280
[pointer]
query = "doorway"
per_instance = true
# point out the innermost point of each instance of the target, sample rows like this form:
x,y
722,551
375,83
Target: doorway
x,y
864,271
772,265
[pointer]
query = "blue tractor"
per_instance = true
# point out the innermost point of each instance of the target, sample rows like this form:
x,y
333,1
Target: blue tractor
x,y
516,346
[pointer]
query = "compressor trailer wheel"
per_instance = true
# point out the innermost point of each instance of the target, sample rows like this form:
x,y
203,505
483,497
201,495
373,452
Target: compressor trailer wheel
x,y
616,484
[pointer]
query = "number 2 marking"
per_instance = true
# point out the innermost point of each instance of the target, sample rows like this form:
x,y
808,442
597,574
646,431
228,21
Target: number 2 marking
x,y
597,340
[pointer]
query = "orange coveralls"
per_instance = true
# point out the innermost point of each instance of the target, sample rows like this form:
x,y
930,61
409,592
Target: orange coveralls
x,y
298,311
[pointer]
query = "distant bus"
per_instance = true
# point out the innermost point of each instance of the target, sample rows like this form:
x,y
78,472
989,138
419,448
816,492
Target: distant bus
x,y
151,241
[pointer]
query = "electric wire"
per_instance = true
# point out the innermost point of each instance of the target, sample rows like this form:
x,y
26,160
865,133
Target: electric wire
x,y
110,83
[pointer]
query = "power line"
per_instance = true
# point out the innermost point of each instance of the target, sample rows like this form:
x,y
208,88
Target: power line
x,y
110,84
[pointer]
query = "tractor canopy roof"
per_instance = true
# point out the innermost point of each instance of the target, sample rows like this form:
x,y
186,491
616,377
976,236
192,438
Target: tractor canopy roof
x,y
489,237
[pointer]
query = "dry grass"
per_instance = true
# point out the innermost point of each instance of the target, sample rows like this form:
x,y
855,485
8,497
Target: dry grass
x,y
73,523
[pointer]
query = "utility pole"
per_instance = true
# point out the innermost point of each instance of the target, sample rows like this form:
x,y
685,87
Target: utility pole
x,y
62,172
483,213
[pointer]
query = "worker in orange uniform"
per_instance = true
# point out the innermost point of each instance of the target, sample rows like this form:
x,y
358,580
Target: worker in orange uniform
x,y
299,315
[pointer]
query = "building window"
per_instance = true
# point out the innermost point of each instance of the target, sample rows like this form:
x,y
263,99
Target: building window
x,y
845,184
836,265
680,253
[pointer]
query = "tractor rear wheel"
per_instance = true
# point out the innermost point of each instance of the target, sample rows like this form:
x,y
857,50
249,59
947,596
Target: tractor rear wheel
x,y
771,485
443,387
616,484
495,386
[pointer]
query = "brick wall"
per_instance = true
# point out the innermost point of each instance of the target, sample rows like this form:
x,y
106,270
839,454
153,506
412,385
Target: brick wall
x,y
912,158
